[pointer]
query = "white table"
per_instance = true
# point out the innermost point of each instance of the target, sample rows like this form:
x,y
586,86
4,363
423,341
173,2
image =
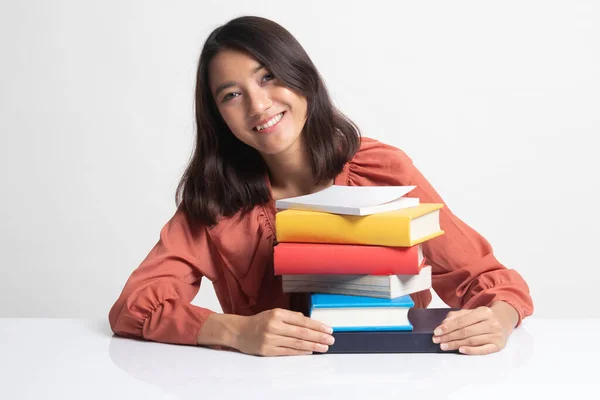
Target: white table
x,y
81,359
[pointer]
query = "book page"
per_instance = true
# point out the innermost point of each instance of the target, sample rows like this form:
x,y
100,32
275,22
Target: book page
x,y
349,196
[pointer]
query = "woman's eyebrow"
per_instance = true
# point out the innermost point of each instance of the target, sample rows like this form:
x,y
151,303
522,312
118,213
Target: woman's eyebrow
x,y
257,68
224,86
229,84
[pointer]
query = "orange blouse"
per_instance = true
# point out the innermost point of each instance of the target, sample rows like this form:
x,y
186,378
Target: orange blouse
x,y
237,256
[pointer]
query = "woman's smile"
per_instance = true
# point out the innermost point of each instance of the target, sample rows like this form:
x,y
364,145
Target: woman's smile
x,y
270,125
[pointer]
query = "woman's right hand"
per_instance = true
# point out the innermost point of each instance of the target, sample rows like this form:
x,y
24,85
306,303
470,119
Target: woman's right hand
x,y
281,332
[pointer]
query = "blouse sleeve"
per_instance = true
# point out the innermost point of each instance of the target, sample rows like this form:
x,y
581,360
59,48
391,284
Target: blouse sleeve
x,y
465,272
155,302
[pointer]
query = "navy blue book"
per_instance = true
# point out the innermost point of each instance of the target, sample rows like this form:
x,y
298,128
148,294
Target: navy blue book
x,y
417,340
361,313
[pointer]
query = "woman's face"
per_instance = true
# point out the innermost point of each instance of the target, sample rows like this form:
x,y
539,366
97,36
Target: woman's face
x,y
255,106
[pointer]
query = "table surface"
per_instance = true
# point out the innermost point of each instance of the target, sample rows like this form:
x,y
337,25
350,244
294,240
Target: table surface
x,y
78,358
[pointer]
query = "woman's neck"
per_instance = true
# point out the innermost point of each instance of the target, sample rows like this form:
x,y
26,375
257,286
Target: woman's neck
x,y
290,172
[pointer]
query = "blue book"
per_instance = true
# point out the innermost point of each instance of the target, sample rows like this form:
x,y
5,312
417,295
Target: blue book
x,y
358,313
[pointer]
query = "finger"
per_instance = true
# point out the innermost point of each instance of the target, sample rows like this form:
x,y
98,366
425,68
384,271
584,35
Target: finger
x,y
479,350
451,315
273,350
298,326
299,344
466,319
471,341
285,351
302,333
458,313
477,329
298,319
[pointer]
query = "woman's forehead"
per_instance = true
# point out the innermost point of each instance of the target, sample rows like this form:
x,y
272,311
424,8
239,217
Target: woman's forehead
x,y
232,65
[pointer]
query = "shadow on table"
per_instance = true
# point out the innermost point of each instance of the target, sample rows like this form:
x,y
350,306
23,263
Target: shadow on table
x,y
193,372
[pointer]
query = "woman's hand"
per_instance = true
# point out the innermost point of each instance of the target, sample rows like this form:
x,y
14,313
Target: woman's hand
x,y
482,330
282,332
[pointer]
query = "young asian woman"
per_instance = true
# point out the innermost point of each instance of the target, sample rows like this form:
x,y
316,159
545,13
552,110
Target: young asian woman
x,y
267,129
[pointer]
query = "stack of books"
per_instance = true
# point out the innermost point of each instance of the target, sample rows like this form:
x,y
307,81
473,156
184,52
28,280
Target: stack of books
x,y
356,253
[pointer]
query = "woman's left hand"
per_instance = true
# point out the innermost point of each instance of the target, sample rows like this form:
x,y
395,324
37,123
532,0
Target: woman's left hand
x,y
482,330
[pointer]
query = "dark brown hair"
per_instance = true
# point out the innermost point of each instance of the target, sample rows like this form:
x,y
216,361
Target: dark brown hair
x,y
224,175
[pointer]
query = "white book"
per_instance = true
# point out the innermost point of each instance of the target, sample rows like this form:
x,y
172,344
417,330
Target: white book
x,y
381,286
352,200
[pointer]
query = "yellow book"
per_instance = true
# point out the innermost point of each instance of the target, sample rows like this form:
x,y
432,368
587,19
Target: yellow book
x,y
400,228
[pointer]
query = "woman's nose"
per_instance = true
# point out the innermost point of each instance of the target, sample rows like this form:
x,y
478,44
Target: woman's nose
x,y
258,102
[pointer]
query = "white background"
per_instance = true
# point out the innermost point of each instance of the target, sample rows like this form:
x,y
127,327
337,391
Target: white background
x,y
498,104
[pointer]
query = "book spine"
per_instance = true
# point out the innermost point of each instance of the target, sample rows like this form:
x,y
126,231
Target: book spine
x,y
384,342
313,258
342,229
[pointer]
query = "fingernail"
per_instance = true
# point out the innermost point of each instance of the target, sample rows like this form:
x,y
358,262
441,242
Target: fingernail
x,y
437,332
330,340
436,339
328,329
444,346
322,348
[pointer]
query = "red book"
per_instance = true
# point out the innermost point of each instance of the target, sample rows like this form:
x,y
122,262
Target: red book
x,y
332,259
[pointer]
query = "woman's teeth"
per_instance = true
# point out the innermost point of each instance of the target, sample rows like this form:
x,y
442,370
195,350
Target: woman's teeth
x,y
271,122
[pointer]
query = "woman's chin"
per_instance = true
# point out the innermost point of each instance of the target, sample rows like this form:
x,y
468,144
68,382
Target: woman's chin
x,y
276,144
272,151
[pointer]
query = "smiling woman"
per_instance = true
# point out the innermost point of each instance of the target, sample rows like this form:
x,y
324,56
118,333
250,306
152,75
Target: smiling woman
x,y
267,129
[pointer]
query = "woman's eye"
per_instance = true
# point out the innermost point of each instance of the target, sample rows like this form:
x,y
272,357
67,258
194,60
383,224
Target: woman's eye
x,y
268,77
230,96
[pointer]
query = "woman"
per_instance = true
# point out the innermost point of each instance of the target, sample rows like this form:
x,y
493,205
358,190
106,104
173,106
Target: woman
x,y
267,129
